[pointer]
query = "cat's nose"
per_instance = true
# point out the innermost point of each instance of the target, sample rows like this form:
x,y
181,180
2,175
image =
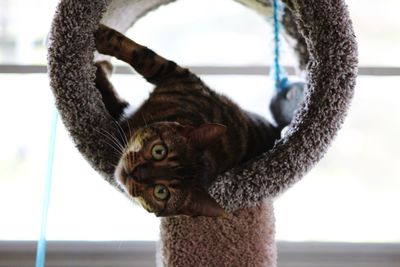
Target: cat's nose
x,y
140,173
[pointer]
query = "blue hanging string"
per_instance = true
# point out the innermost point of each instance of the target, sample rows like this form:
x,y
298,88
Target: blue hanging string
x,y
281,81
41,246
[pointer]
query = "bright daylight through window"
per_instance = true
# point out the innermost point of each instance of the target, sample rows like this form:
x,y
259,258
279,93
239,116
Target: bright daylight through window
x,y
349,196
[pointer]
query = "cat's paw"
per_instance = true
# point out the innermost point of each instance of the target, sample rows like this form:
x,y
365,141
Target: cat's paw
x,y
104,68
102,39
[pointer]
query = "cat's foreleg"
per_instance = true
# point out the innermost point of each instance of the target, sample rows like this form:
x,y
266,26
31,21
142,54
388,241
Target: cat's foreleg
x,y
146,62
114,104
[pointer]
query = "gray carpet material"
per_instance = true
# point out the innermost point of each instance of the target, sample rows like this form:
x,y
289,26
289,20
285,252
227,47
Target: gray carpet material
x,y
331,76
246,238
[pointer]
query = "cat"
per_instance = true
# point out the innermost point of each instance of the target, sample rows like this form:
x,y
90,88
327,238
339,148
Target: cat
x,y
181,137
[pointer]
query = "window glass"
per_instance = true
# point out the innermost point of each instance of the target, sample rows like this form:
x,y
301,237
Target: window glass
x,y
25,116
192,33
23,28
349,196
376,28
228,29
353,193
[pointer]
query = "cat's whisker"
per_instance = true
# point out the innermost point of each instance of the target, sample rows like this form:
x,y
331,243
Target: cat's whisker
x,y
116,151
114,142
122,134
144,120
126,137
129,128
117,141
114,166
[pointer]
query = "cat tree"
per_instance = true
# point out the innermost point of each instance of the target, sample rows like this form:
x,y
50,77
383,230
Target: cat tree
x,y
325,40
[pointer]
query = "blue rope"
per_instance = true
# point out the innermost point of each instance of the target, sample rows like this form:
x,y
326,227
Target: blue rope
x,y
281,81
41,246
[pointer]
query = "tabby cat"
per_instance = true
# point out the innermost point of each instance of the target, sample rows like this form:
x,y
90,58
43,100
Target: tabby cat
x,y
181,137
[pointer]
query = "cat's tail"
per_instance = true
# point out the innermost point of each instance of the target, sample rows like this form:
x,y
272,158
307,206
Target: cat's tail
x,y
146,62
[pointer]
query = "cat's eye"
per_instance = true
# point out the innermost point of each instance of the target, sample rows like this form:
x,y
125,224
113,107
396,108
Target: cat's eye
x,y
159,152
161,192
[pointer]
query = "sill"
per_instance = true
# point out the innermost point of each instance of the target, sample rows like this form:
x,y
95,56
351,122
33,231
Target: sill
x,y
142,254
208,70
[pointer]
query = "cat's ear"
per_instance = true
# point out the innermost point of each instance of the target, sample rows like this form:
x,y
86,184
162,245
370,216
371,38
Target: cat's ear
x,y
200,203
205,135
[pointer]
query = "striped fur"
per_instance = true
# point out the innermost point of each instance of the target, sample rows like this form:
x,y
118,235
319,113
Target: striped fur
x,y
205,133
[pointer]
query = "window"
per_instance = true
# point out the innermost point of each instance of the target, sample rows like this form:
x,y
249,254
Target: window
x,y
350,196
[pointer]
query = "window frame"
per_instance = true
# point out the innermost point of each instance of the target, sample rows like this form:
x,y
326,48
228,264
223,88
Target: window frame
x,y
143,253
207,70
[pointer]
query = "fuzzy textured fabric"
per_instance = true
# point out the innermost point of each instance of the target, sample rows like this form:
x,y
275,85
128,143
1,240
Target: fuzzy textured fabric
x,y
332,71
246,238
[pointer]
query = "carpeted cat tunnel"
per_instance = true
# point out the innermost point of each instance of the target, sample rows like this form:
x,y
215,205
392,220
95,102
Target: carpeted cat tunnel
x,y
247,237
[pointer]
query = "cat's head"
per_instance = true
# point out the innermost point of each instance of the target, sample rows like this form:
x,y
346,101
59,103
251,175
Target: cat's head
x,y
164,168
